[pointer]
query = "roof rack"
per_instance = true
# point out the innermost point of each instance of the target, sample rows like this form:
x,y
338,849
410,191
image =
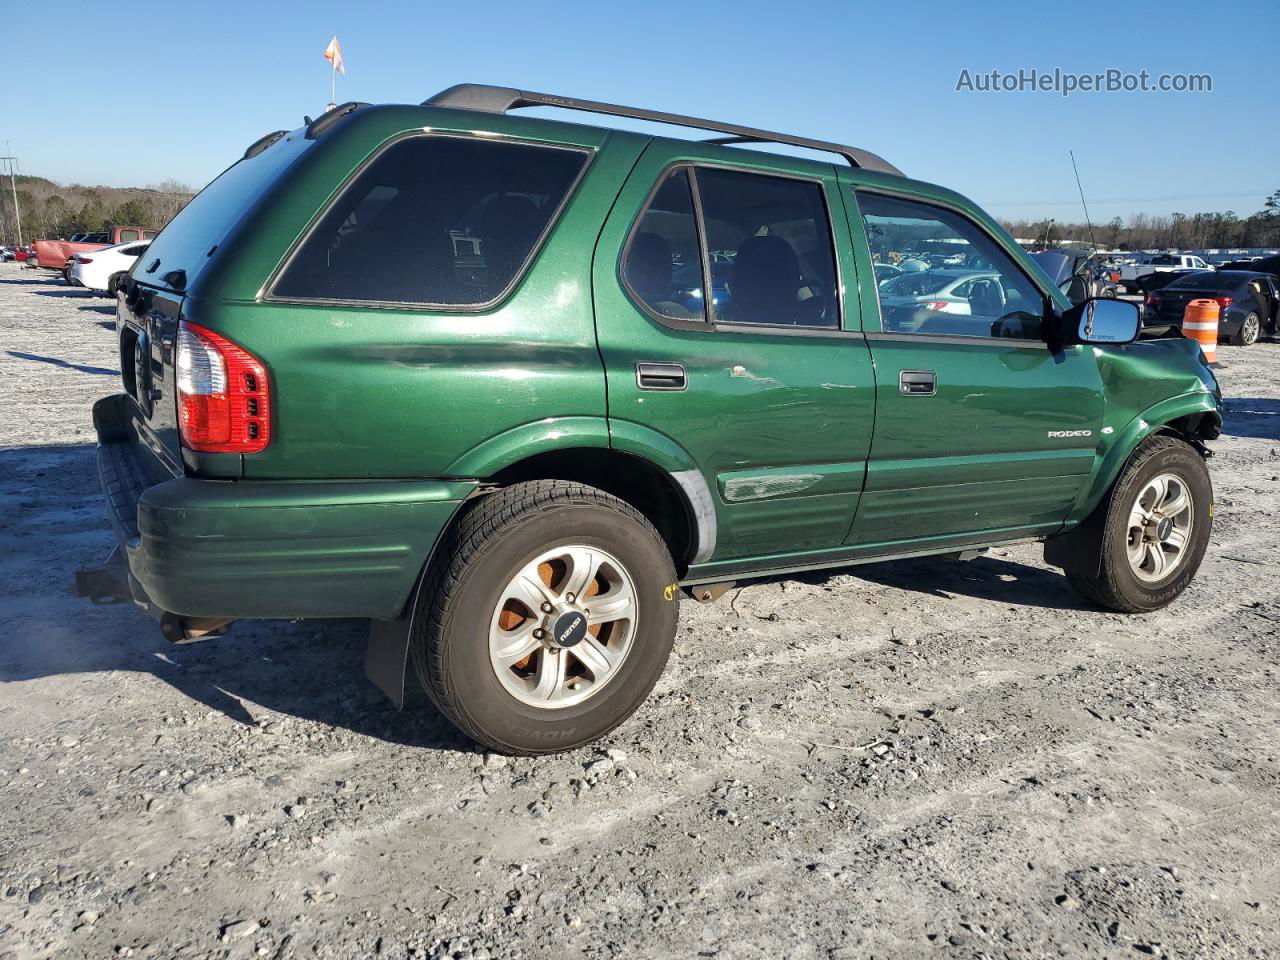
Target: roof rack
x,y
488,99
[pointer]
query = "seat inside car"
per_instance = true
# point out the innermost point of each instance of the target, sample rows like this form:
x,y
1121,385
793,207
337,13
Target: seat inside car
x,y
649,271
766,282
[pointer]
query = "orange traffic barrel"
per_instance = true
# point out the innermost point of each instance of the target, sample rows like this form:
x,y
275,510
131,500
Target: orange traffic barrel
x,y
1200,323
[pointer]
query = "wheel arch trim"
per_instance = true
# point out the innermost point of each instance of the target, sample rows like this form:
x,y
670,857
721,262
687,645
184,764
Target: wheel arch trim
x,y
1153,420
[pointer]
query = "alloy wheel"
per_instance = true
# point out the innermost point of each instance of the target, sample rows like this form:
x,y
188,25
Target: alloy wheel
x,y
1159,534
563,626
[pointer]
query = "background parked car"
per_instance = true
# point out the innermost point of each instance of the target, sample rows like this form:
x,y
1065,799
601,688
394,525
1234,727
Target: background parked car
x,y
57,254
1257,264
103,269
1249,302
1132,275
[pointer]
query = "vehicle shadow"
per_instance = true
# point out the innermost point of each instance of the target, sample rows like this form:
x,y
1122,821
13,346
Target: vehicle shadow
x,y
1252,417
107,324
55,361
983,578
110,310
15,281
78,294
312,670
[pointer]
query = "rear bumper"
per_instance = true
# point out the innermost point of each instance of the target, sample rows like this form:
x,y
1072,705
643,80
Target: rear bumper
x,y
272,549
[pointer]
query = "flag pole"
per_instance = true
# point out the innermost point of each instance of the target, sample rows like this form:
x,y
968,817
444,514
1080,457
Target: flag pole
x,y
333,83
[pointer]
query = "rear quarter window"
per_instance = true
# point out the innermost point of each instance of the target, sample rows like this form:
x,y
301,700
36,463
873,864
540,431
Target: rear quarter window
x,y
435,220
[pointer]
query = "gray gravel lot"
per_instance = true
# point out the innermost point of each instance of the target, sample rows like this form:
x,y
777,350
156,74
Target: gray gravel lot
x,y
900,760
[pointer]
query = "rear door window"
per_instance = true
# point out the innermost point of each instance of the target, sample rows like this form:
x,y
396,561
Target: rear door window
x,y
435,220
772,237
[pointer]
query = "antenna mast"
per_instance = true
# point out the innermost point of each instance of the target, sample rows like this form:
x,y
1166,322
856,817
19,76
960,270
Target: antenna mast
x,y
1088,222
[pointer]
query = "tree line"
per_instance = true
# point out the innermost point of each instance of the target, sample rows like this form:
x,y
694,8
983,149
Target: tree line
x,y
1197,231
51,210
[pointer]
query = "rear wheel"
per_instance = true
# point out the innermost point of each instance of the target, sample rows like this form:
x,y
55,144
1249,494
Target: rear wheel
x,y
1155,532
1250,329
548,619
113,284
66,275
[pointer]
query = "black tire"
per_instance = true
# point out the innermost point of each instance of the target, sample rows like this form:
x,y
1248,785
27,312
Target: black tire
x,y
113,284
1250,330
1116,586
485,548
66,276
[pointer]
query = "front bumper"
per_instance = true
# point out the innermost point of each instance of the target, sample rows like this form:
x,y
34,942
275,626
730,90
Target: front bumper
x,y
271,549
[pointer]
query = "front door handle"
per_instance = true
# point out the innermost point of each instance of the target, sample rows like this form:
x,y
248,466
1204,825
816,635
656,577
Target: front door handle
x,y
917,383
661,376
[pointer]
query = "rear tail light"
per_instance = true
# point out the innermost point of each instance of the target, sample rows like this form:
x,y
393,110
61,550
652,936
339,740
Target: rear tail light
x,y
84,259
935,305
224,395
1223,302
1153,301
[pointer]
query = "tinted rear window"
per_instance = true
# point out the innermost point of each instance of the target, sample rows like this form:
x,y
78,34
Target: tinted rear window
x,y
1206,281
185,243
448,221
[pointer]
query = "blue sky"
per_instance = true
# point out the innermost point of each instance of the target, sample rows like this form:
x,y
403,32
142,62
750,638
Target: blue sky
x,y
205,79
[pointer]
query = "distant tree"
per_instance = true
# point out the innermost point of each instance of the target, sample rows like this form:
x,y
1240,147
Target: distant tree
x,y
133,213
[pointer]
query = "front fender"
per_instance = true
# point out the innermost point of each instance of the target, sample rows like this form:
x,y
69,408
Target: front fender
x,y
1126,440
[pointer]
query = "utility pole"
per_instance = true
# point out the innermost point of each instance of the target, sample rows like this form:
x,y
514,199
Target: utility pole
x,y
12,163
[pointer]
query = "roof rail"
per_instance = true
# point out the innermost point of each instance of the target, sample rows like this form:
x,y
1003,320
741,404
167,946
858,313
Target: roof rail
x,y
487,99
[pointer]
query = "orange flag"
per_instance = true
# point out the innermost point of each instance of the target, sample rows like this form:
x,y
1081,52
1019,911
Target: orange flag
x,y
333,53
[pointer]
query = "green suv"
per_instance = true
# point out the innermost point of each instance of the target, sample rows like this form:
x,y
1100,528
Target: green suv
x,y
507,386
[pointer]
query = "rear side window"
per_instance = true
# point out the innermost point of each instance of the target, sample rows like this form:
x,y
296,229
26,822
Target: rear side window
x,y
127,235
445,221
772,236
663,264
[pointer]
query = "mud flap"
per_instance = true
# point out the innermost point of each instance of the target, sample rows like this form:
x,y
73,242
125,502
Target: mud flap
x,y
1080,549
386,658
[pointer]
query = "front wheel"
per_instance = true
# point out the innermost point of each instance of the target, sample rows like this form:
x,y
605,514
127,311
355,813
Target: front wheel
x,y
1155,531
548,618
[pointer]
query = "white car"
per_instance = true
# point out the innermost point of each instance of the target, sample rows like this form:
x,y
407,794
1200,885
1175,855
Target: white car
x,y
103,269
944,291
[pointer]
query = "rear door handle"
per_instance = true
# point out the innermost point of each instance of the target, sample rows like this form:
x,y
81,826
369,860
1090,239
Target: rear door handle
x,y
917,383
661,376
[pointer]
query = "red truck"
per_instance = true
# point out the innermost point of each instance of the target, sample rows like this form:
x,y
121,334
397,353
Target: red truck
x,y
56,254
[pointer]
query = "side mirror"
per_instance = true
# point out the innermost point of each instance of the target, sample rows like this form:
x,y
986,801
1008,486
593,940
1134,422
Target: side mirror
x,y
1104,321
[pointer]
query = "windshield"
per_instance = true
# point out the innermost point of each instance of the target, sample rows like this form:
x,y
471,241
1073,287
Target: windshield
x,y
186,243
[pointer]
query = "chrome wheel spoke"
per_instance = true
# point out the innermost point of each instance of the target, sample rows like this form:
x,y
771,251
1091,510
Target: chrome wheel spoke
x,y
594,656
550,676
1155,556
584,564
1176,504
529,589
512,646
615,605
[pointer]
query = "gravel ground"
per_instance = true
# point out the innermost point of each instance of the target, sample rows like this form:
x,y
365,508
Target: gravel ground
x,y
896,761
